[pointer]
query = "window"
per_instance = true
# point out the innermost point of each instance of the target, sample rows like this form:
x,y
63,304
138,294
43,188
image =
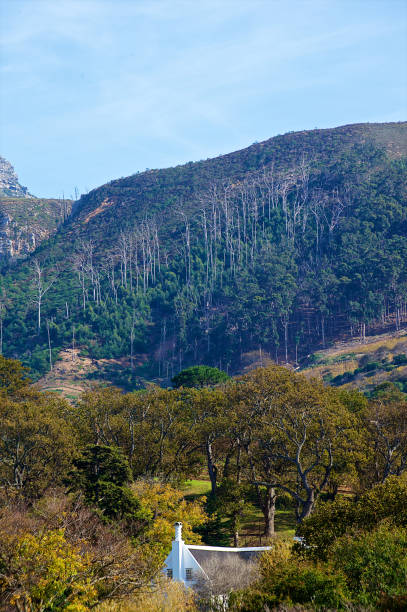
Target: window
x,y
169,573
188,573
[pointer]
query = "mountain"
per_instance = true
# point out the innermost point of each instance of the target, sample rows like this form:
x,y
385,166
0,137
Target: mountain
x,y
153,191
276,250
9,185
25,221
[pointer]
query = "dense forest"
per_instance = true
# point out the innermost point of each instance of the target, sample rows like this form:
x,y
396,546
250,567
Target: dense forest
x,y
89,493
280,248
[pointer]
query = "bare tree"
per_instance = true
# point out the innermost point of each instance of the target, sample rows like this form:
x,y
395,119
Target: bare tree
x,y
49,346
133,324
41,287
387,426
2,315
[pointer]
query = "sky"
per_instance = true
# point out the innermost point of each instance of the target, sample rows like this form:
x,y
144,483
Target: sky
x,y
92,90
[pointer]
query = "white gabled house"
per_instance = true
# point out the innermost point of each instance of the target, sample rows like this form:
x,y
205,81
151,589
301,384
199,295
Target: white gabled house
x,y
185,561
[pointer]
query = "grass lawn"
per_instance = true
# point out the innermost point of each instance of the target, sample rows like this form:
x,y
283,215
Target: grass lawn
x,y
253,525
196,488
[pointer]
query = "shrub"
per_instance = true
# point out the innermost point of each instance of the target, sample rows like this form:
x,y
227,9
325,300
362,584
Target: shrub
x,y
400,359
331,520
372,365
44,572
288,579
61,550
374,563
284,501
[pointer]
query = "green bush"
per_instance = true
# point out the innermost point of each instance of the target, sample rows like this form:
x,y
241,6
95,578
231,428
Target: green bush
x,y
287,579
373,365
284,501
344,378
305,584
363,570
331,520
374,563
400,359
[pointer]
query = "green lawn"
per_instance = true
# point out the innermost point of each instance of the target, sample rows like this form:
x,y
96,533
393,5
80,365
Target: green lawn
x,y
196,488
253,524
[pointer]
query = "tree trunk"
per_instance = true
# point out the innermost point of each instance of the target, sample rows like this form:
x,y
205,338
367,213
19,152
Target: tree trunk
x,y
307,506
49,347
212,469
39,313
269,511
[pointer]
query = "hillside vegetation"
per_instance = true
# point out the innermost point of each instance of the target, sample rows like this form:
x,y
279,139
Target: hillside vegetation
x,y
281,248
89,493
26,222
382,359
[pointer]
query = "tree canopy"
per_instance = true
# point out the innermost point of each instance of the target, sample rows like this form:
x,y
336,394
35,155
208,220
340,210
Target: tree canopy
x,y
198,377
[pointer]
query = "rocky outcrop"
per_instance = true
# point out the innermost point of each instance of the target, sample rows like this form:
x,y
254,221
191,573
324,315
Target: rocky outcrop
x,y
9,185
26,222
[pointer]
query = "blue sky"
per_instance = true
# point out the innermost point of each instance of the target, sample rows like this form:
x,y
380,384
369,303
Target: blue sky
x,y
92,90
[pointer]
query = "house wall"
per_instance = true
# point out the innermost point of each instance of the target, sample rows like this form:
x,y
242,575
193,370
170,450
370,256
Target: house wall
x,y
179,560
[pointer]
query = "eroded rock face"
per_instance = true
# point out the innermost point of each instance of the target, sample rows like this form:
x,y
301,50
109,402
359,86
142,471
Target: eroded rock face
x,y
18,240
9,185
25,221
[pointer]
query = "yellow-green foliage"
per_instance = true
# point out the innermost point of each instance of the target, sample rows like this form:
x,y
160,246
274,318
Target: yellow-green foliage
x,y
37,441
48,573
167,505
166,596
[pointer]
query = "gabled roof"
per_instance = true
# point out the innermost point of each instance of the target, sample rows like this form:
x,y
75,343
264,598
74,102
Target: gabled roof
x,y
203,554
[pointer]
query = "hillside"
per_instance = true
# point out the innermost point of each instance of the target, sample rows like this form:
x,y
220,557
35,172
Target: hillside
x,y
26,222
281,248
121,202
380,359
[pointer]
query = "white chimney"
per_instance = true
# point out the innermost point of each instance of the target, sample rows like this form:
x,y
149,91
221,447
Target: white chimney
x,y
178,532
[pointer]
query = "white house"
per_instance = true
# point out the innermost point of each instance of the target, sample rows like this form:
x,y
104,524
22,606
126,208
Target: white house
x,y
185,561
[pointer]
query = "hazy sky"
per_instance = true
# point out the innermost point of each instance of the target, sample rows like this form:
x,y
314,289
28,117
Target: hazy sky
x,y
92,90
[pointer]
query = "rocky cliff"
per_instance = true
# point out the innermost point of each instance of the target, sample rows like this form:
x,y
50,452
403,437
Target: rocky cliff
x,y
25,221
9,185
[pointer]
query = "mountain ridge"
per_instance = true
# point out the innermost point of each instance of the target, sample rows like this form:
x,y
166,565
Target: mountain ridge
x,y
394,149
208,261
151,192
